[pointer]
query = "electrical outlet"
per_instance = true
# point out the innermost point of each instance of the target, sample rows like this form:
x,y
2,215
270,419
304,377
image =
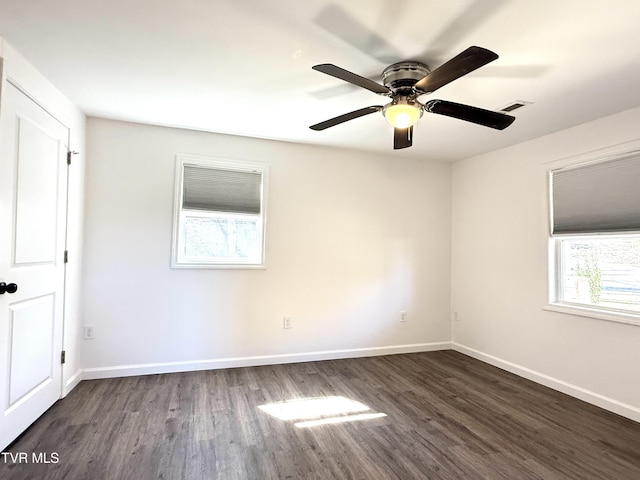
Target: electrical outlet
x,y
286,322
89,332
403,316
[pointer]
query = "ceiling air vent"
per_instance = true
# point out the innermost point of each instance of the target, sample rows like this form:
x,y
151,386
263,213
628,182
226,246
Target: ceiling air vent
x,y
514,106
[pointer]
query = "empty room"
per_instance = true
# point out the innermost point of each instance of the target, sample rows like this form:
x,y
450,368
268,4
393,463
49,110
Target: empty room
x,y
381,240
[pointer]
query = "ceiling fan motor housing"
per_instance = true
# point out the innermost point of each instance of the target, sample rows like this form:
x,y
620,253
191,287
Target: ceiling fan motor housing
x,y
401,77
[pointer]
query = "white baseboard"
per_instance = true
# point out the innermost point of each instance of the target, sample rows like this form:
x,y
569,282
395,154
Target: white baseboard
x,y
601,401
588,396
253,361
72,382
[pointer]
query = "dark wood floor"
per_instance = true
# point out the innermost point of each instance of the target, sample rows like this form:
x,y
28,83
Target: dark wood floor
x,y
448,417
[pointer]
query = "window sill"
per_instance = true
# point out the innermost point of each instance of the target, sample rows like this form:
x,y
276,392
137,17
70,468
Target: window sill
x,y
611,316
219,266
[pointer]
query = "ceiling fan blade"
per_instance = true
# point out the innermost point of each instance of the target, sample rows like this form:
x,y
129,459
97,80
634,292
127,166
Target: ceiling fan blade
x,y
350,77
402,137
337,21
487,118
346,117
463,63
469,20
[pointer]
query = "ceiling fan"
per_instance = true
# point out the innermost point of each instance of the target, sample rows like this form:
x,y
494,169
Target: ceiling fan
x,y
404,82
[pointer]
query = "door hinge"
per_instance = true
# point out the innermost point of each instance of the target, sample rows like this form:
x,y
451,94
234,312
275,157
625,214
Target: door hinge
x,y
66,256
63,356
69,154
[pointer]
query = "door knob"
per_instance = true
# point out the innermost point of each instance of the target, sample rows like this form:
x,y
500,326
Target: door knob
x,y
8,288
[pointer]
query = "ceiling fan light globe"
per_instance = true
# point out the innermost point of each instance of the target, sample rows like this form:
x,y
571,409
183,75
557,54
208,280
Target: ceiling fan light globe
x,y
402,120
402,115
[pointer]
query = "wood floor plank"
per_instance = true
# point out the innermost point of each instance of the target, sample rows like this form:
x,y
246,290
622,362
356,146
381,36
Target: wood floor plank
x,y
448,417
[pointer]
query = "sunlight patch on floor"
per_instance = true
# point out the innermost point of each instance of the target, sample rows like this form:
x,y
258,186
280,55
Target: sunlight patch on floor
x,y
312,412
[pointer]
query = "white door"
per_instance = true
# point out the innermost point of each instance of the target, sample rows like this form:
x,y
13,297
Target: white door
x,y
33,184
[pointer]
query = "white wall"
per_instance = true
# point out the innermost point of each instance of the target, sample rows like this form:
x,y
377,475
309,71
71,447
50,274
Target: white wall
x,y
499,273
352,239
23,74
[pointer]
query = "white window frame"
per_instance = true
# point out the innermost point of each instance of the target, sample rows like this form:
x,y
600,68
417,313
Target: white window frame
x,y
179,214
555,263
556,286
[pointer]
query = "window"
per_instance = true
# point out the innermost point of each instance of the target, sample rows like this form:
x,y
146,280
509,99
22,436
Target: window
x,y
601,272
219,213
595,214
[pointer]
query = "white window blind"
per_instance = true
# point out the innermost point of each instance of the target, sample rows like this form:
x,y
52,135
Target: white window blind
x,y
598,197
221,190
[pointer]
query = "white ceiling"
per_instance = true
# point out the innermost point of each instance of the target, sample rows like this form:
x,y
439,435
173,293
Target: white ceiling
x,y
244,66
